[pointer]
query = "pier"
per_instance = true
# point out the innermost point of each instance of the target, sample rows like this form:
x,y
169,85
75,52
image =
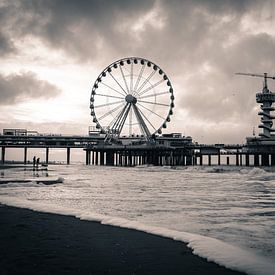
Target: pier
x,y
167,150
11,139
129,131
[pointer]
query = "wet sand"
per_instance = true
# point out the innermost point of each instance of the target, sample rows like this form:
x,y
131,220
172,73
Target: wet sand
x,y
40,243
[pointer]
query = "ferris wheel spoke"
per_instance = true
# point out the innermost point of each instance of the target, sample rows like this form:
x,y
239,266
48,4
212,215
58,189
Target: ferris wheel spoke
x,y
154,103
110,112
131,78
145,81
151,111
112,88
153,95
153,86
108,104
110,96
142,124
146,119
117,83
139,77
123,76
130,121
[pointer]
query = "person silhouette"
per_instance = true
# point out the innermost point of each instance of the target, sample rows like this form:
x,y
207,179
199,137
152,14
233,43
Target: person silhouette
x,y
34,161
37,162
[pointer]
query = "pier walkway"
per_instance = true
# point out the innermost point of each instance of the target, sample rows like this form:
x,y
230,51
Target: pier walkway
x,y
164,151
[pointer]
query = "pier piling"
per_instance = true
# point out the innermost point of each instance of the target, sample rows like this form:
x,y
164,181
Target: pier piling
x,y
68,155
256,160
3,154
247,160
265,159
47,155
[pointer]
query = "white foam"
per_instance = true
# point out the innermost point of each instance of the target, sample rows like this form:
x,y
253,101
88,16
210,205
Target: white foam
x,y
29,183
257,172
212,249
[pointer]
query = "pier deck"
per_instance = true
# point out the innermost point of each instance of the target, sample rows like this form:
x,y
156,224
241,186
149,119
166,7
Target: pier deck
x,y
165,151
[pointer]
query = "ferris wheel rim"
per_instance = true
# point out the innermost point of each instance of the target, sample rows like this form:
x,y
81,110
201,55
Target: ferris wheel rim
x,y
133,60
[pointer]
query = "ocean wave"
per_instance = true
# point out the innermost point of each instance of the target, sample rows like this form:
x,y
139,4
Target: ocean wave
x,y
212,249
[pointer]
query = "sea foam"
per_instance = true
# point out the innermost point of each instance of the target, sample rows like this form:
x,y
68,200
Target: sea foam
x,y
212,249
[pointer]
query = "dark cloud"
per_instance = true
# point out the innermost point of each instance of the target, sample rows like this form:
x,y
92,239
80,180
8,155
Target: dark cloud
x,y
87,29
102,30
21,87
77,27
6,46
200,44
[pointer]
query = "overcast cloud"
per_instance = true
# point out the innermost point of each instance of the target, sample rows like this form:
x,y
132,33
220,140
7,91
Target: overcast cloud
x,y
20,87
199,44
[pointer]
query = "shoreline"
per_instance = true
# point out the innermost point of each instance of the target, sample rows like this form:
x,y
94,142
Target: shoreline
x,y
42,243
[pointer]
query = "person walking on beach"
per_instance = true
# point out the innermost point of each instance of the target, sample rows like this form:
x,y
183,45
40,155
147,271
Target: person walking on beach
x,y
37,162
33,162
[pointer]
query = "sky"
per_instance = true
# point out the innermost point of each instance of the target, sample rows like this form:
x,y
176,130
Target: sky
x,y
52,51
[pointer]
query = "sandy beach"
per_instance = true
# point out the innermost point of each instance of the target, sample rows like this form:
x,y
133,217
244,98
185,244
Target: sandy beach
x,y
41,243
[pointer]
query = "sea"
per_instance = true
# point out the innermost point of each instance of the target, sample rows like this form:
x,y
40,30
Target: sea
x,y
225,214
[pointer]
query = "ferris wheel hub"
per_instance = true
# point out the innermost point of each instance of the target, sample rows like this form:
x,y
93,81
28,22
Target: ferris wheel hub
x,y
130,99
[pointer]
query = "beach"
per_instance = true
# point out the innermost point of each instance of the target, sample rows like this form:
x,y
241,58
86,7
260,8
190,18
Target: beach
x,y
41,243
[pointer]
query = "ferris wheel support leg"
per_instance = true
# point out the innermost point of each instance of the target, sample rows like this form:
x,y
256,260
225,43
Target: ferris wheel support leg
x,y
142,124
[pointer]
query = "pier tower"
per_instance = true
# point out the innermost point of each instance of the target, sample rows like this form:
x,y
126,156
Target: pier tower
x,y
266,98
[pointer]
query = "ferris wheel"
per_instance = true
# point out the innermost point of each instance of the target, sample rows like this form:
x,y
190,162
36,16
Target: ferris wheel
x,y
132,97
